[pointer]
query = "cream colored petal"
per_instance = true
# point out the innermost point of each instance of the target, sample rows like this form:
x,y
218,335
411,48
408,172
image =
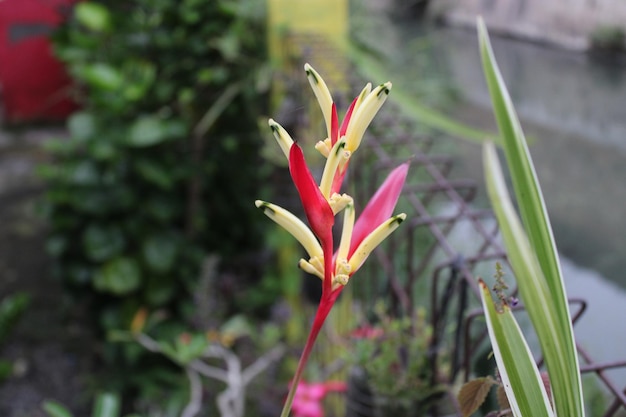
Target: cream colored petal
x,y
337,154
364,115
282,137
339,202
364,93
373,240
346,232
322,94
310,269
293,225
323,147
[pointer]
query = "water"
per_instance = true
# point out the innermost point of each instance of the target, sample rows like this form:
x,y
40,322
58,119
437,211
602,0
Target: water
x,y
573,109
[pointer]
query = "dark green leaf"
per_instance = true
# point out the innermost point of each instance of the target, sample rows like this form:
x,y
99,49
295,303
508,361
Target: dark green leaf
x,y
102,242
6,369
55,409
159,252
160,290
56,245
119,276
154,173
11,309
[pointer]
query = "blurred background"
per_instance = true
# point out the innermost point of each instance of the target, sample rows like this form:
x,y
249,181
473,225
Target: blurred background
x,y
137,274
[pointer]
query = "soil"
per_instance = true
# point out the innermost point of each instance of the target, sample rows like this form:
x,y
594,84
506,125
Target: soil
x,y
49,347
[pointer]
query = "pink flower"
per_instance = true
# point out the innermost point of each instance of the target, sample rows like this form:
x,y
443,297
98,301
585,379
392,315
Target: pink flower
x,y
309,396
367,332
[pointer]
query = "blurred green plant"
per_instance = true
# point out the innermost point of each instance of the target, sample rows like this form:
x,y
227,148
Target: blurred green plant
x,y
392,354
161,163
608,38
534,260
106,404
207,357
11,309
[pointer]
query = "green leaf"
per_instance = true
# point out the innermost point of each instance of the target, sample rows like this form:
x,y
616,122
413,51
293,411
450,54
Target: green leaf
x,y
534,257
107,405
83,173
11,309
190,347
94,16
154,173
159,290
520,377
119,276
236,327
151,130
102,242
55,409
228,45
102,76
140,76
81,125
159,252
6,369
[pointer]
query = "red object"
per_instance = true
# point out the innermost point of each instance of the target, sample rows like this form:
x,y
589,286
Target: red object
x,y
33,84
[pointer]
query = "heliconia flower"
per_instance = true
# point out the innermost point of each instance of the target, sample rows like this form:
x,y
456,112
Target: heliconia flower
x,y
322,202
358,117
359,239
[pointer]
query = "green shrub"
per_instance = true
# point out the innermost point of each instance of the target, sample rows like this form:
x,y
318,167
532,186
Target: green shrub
x,y
161,164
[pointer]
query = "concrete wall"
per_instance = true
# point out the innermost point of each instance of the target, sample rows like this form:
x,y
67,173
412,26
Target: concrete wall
x,y
567,23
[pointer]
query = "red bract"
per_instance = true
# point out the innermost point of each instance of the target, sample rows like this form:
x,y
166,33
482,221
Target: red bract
x,y
316,207
318,212
380,206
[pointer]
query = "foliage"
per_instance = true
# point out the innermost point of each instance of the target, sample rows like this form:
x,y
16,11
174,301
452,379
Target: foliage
x,y
211,361
392,354
160,165
608,38
106,405
11,309
534,260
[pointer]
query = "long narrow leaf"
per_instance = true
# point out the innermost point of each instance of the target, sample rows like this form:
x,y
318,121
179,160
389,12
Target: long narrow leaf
x,y
55,409
525,183
518,371
566,382
107,405
535,293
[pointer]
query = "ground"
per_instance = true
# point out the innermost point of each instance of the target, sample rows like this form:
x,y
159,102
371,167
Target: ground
x,y
51,360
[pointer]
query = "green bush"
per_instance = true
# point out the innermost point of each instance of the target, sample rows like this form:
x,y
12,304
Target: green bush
x,y
161,164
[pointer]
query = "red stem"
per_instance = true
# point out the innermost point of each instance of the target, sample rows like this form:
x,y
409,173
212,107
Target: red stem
x,y
326,304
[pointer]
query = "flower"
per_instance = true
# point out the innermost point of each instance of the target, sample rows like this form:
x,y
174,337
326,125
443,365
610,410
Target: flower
x,y
308,398
323,202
